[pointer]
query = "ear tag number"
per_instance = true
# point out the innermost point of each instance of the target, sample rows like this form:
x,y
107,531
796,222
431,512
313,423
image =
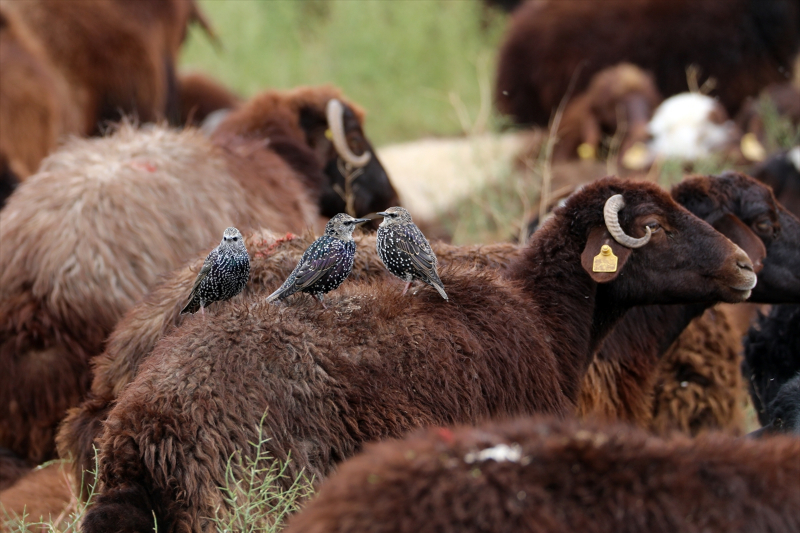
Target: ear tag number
x,y
605,261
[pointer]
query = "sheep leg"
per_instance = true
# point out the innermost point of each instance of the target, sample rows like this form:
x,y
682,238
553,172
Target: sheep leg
x,y
405,289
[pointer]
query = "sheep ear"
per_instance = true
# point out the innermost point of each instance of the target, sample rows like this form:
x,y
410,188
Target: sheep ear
x,y
604,268
744,238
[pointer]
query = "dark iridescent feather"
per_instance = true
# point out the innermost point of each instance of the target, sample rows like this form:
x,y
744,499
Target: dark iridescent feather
x,y
405,251
223,275
326,263
413,242
322,268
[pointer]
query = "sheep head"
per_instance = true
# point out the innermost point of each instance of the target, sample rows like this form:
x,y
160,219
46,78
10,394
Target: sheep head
x,y
718,199
665,254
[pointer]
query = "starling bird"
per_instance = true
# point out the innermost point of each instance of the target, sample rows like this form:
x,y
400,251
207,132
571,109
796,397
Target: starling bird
x,y
405,251
326,263
224,274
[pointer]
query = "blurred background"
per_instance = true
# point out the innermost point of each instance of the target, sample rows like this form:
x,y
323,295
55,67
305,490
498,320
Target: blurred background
x,y
420,68
132,132
426,72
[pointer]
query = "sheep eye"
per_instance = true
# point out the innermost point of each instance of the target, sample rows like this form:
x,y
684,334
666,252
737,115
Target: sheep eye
x,y
779,422
764,226
654,226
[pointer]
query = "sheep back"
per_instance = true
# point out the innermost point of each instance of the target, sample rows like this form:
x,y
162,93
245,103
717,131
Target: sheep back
x,y
538,475
88,235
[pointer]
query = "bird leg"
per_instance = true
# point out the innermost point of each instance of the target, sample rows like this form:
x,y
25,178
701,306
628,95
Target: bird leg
x,y
203,313
405,290
319,298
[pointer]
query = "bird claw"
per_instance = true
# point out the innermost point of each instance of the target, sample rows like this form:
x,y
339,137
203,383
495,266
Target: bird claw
x,y
405,289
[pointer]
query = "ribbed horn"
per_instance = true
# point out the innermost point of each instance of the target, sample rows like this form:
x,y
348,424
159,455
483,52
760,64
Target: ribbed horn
x,y
611,216
335,115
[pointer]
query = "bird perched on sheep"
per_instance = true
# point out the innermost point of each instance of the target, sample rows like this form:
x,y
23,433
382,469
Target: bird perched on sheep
x,y
540,475
223,275
326,263
89,234
273,257
61,295
516,343
405,251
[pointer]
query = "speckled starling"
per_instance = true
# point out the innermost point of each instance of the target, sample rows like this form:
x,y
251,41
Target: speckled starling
x,y
224,274
405,251
326,263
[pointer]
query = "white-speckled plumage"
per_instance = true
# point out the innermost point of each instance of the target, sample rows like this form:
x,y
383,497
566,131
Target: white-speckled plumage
x,y
405,251
224,273
326,263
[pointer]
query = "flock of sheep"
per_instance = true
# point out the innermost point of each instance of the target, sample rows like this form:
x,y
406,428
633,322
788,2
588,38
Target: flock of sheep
x,y
584,381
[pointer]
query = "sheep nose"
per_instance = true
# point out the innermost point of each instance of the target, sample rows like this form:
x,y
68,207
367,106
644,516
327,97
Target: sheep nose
x,y
745,265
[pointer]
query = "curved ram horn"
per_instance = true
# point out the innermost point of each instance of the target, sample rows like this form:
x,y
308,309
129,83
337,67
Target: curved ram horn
x,y
335,115
611,216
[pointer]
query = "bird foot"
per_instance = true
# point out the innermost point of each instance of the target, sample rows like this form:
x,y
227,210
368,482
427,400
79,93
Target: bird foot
x,y
405,289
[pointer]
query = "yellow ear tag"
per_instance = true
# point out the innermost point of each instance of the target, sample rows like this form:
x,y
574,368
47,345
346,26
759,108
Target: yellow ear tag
x,y
751,148
605,261
329,134
586,151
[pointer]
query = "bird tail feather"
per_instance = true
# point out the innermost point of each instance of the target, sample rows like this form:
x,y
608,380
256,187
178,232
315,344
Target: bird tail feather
x,y
439,287
191,307
277,295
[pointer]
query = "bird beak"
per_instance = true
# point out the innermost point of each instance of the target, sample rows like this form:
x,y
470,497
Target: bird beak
x,y
361,220
382,213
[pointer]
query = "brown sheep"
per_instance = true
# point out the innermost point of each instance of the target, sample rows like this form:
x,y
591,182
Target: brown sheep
x,y
744,45
91,232
697,384
136,335
619,100
272,259
200,95
615,386
11,467
118,57
377,364
262,153
538,475
35,109
636,357
298,124
45,493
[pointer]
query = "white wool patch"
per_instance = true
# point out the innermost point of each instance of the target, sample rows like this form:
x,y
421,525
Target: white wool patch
x,y
499,453
794,157
681,128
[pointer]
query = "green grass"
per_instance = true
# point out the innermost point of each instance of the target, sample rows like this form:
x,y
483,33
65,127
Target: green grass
x,y
254,500
404,61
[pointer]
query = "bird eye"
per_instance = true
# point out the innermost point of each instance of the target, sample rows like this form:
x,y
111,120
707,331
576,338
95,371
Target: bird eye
x,y
236,238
